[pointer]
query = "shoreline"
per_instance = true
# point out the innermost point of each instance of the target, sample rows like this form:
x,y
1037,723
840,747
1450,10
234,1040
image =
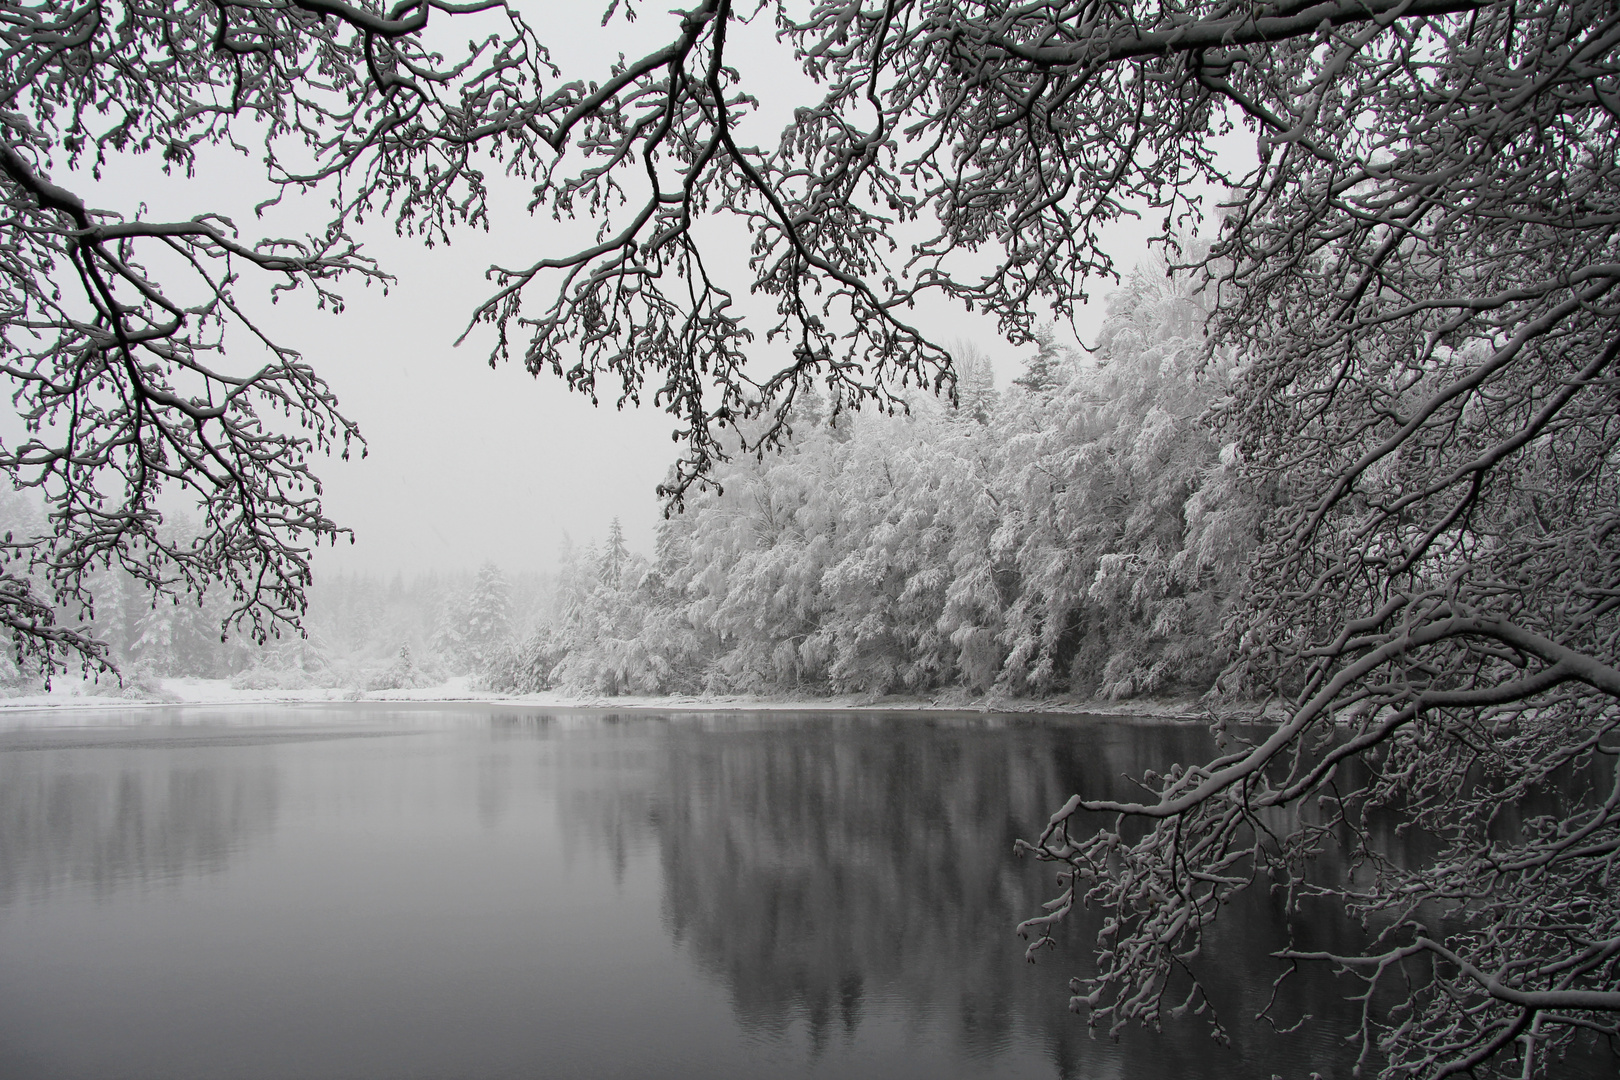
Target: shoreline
x,y
211,693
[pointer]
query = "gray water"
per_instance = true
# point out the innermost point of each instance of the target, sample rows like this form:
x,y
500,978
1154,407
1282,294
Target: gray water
x,y
380,891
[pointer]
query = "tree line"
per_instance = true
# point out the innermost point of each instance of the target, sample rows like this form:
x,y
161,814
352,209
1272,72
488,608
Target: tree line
x,y
362,632
1081,532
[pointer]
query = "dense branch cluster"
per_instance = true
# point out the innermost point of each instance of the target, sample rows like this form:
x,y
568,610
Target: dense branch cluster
x,y
117,360
1420,282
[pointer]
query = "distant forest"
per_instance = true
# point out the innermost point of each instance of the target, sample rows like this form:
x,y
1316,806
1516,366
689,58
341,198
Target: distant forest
x,y
1080,532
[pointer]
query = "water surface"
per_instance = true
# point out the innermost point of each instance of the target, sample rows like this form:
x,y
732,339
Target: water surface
x,y
383,891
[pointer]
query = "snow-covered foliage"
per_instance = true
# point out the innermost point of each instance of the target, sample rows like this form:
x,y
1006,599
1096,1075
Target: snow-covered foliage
x,y
1078,532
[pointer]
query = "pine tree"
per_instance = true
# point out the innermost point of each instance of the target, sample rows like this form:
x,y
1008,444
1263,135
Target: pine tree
x,y
489,615
1042,372
615,557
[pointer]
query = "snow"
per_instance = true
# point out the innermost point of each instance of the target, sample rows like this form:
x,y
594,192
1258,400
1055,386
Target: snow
x,y
70,701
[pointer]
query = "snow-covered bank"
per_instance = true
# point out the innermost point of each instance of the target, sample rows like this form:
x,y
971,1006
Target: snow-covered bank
x,y
75,697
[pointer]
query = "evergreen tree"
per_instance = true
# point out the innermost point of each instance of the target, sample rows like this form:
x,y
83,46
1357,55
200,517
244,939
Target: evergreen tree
x,y
615,557
489,615
1043,371
975,381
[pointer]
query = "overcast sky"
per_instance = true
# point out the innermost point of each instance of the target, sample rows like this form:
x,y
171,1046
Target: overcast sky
x,y
469,464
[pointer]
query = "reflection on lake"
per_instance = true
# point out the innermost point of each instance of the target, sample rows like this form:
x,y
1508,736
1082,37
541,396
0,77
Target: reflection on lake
x,y
473,892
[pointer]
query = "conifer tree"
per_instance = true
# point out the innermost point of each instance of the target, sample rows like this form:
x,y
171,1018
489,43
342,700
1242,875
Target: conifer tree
x,y
615,557
975,381
489,615
1043,370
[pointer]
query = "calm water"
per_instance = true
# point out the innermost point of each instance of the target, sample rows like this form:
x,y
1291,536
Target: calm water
x,y
378,891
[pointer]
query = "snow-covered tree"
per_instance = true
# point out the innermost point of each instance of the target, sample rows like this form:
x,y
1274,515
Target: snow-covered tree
x,y
615,558
1040,550
488,615
975,381
402,673
1044,369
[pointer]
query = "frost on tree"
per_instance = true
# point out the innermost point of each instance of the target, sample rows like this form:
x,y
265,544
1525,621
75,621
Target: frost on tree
x,y
1089,540
489,615
1416,283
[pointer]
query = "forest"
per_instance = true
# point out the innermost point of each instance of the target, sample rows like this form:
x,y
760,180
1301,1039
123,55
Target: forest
x,y
1079,532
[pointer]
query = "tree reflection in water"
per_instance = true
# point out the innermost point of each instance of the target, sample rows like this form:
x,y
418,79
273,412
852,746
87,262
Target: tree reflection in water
x,y
847,879
818,865
815,866
72,818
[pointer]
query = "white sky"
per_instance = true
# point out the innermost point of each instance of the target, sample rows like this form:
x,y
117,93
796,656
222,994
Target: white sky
x,y
467,464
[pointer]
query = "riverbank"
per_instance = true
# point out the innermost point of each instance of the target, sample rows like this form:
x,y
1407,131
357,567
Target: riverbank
x,y
74,696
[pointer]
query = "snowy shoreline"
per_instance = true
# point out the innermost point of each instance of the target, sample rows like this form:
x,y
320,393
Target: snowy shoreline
x,y
75,698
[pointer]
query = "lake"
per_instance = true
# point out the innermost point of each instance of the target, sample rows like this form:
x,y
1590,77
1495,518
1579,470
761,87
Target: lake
x,y
383,890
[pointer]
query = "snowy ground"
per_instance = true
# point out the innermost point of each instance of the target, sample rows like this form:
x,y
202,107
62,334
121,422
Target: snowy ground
x,y
72,696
